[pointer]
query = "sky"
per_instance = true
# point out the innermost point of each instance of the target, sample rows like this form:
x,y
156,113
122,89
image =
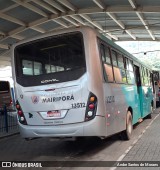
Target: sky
x,y
146,51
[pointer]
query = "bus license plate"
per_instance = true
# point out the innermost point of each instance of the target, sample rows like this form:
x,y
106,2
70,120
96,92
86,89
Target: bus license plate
x,y
55,113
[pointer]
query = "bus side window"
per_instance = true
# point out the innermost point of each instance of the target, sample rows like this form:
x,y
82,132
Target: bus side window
x,y
107,67
107,55
145,77
120,61
109,72
122,71
102,53
130,74
117,71
114,58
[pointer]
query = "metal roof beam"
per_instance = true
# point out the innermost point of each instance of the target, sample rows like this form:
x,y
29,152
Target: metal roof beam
x,y
32,25
9,8
55,16
99,3
67,4
60,22
121,25
151,34
120,9
18,37
15,31
59,28
116,20
87,18
112,36
70,20
133,4
102,6
11,19
31,7
78,19
145,24
55,5
45,5
38,29
129,33
38,22
12,6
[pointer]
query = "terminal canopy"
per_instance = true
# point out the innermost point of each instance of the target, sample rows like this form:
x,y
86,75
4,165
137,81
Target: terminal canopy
x,y
119,20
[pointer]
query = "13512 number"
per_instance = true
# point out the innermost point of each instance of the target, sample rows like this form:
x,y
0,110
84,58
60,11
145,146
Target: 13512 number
x,y
78,105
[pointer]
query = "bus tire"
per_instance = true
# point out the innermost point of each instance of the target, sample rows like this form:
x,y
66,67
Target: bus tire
x,y
129,127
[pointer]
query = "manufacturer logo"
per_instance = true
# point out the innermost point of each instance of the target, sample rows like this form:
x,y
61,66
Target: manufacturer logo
x,y
49,81
35,99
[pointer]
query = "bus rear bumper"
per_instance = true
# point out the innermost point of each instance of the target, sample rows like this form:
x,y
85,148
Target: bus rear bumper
x,y
95,127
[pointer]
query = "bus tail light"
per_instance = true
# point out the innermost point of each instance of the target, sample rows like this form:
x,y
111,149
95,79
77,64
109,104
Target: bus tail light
x,y
91,107
21,117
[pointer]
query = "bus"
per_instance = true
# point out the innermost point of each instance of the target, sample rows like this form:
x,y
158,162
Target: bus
x,y
77,83
6,97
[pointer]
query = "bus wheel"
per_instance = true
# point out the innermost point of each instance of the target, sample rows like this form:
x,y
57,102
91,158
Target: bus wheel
x,y
129,127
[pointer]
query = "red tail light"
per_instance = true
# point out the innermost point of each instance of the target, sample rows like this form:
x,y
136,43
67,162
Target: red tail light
x,y
21,116
91,107
20,113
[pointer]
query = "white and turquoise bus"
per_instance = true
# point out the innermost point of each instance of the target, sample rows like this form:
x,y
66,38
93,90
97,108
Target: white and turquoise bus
x,y
75,83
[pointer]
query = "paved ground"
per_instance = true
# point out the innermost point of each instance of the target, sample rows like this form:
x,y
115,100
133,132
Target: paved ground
x,y
147,148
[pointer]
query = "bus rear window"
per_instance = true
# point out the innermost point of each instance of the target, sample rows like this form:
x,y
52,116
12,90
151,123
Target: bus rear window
x,y
60,57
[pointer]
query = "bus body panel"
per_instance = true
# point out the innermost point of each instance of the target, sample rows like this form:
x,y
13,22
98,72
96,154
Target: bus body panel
x,y
115,112
118,99
146,100
94,127
70,99
132,100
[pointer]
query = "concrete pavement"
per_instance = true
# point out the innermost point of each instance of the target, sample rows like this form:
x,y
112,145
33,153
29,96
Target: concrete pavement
x,y
144,146
147,147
